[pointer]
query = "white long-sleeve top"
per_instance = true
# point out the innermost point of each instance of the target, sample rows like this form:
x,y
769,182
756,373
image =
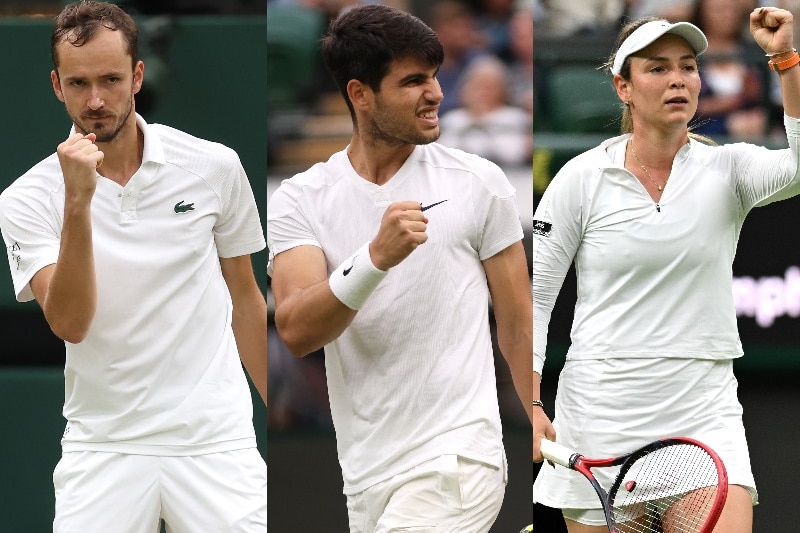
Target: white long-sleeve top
x,y
654,280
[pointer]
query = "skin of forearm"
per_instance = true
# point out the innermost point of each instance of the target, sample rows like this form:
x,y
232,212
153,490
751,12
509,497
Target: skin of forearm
x,y
312,317
790,88
71,299
518,347
250,330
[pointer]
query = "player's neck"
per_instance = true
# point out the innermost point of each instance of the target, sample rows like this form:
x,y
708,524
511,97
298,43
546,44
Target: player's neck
x,y
377,162
123,155
658,148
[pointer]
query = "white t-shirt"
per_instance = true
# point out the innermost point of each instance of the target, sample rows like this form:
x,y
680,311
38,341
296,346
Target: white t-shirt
x,y
654,280
413,376
159,372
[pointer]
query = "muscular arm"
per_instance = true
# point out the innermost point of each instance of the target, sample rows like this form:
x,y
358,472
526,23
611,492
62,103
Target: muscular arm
x,y
790,88
772,29
67,290
507,275
249,319
307,314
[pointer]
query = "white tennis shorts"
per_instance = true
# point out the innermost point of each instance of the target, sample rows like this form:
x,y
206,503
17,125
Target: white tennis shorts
x,y
606,408
213,493
448,494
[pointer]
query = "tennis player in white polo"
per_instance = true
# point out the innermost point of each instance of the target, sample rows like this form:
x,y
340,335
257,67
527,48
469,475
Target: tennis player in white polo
x,y
135,239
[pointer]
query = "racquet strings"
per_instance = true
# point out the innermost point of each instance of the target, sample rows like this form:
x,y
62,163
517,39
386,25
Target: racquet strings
x,y
668,490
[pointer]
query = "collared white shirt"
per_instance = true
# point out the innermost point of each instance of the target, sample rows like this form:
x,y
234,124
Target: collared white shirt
x,y
654,279
159,372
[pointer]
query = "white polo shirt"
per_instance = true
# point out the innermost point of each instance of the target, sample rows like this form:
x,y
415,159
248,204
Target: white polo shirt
x,y
654,280
413,375
159,372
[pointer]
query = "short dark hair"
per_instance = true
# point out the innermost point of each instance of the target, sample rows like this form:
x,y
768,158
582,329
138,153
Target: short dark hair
x,y
79,21
363,41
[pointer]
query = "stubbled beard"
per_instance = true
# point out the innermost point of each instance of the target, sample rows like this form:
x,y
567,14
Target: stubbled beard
x,y
389,135
384,127
106,137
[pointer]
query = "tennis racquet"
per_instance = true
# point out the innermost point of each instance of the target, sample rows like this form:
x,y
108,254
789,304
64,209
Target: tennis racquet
x,y
674,485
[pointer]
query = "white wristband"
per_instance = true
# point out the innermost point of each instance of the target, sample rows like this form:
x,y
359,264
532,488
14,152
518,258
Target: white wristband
x,y
355,279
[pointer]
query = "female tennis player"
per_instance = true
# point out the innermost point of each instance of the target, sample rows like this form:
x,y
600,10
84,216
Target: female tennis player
x,y
651,220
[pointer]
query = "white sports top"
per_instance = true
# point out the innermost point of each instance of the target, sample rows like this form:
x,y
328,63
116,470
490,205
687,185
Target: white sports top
x,y
413,376
159,372
653,281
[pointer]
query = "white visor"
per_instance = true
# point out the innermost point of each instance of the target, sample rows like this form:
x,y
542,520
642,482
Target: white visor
x,y
648,33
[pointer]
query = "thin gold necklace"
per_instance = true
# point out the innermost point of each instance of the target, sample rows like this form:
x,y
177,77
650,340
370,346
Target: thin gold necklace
x,y
659,187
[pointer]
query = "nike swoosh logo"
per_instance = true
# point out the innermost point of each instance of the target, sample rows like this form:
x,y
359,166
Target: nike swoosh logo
x,y
425,208
346,271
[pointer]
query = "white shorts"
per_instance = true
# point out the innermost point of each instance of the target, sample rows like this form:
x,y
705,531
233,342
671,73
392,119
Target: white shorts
x,y
606,408
213,493
448,494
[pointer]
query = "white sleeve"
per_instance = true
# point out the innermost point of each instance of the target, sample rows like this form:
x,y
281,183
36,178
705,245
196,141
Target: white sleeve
x,y
32,234
287,226
765,176
238,231
497,212
557,234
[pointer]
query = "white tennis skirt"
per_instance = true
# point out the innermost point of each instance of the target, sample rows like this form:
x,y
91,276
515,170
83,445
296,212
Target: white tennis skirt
x,y
606,408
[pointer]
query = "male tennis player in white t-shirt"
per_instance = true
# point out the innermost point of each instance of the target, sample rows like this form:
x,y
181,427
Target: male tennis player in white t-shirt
x,y
387,255
135,239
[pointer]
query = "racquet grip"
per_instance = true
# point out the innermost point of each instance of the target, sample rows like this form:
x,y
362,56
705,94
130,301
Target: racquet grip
x,y
557,453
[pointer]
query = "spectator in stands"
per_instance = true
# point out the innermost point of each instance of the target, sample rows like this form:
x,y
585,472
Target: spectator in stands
x,y
570,17
651,219
486,124
673,10
492,19
455,25
520,84
733,99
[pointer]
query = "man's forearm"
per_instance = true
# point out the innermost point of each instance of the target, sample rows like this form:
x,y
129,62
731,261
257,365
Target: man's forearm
x,y
250,330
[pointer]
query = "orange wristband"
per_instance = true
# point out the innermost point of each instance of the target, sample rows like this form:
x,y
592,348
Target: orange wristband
x,y
778,66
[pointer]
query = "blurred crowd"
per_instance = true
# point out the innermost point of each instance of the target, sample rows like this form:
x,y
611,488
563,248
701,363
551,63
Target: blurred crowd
x,y
496,126
740,99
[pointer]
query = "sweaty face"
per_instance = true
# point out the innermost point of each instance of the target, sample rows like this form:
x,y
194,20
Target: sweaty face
x,y
406,109
96,82
665,84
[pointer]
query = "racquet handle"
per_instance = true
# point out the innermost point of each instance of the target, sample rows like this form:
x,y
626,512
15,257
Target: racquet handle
x,y
552,451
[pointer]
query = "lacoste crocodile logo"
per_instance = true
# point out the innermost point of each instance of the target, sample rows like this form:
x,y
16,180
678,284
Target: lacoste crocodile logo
x,y
180,207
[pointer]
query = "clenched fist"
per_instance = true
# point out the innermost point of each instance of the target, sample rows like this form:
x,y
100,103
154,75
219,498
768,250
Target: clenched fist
x,y
79,157
772,29
402,229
